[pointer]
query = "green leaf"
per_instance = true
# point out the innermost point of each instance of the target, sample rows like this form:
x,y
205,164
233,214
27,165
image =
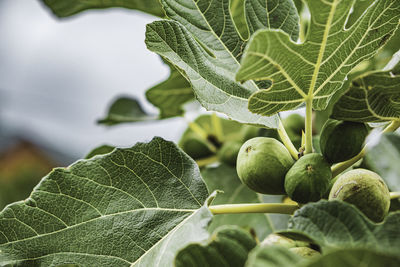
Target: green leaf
x,y
62,8
228,246
171,94
317,68
225,178
126,109
383,159
272,256
335,224
373,97
101,150
354,258
203,42
239,17
135,206
350,257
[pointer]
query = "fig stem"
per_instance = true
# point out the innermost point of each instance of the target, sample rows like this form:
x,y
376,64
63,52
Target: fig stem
x,y
394,195
254,208
206,161
286,141
216,123
342,166
308,126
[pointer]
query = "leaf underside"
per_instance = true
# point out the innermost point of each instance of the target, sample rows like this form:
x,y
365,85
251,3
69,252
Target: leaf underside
x,y
336,224
373,97
62,8
228,246
135,206
317,68
170,95
354,257
201,40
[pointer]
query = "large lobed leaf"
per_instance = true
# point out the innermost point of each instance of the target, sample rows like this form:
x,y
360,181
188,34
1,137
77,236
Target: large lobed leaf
x,y
63,8
317,68
131,207
372,97
201,39
336,224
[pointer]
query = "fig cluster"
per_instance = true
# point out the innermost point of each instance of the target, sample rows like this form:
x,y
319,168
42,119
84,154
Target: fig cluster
x,y
266,166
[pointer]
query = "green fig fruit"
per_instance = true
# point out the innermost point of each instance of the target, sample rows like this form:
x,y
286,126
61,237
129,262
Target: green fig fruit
x,y
305,252
195,147
364,189
280,240
342,140
229,152
294,123
308,179
262,163
247,132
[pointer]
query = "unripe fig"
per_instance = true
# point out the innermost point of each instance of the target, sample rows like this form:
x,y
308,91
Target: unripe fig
x,y
229,152
294,123
262,164
247,132
342,140
364,189
195,147
308,179
277,239
305,252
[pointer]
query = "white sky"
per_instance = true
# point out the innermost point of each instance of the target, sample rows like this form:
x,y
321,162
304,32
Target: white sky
x,y
58,77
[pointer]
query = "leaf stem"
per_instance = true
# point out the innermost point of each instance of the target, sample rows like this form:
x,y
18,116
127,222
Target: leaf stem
x,y
308,126
394,195
342,166
286,141
254,208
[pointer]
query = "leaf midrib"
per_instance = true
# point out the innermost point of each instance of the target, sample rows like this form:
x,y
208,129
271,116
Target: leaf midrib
x,y
96,218
322,50
353,51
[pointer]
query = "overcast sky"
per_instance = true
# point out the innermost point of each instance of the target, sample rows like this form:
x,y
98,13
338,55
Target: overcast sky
x,y
58,76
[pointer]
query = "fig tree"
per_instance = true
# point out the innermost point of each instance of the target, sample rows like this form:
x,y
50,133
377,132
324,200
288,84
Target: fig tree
x,y
308,179
262,163
229,151
364,189
342,140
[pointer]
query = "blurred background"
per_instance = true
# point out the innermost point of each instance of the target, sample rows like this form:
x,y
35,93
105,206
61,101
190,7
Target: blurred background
x,y
57,77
